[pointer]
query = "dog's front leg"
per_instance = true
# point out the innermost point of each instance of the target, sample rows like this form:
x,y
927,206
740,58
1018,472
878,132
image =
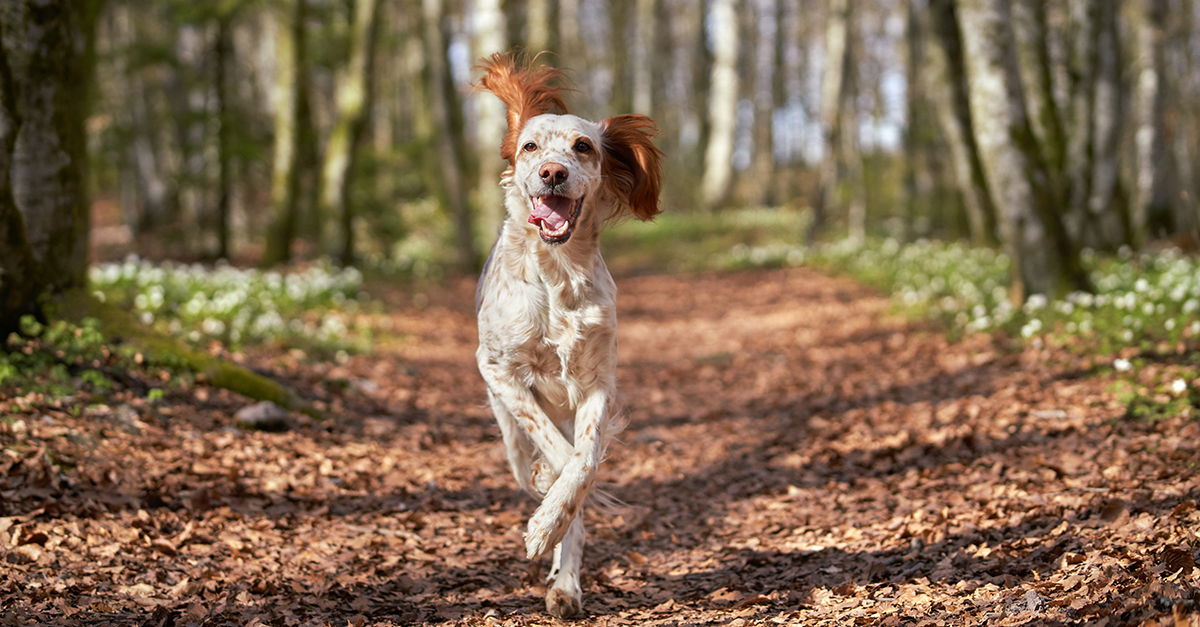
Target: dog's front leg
x,y
565,498
520,403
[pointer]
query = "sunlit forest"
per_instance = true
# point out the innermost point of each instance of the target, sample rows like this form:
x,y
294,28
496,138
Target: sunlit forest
x,y
914,341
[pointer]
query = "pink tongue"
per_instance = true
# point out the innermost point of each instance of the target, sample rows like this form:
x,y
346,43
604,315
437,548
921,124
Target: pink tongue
x,y
550,212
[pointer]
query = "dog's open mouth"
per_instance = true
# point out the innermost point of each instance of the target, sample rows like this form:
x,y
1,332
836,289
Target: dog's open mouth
x,y
555,216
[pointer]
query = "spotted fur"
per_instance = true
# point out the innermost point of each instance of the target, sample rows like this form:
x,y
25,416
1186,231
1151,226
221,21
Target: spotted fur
x,y
547,307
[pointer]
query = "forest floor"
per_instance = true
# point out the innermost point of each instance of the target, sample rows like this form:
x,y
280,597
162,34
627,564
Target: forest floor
x,y
795,455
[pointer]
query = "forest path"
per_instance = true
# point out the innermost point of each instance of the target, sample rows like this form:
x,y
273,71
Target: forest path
x,y
795,455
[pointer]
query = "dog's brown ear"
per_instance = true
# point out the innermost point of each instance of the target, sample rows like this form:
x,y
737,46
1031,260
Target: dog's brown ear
x,y
633,165
526,91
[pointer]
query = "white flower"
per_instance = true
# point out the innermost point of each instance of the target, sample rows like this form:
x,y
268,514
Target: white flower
x,y
1178,386
1122,365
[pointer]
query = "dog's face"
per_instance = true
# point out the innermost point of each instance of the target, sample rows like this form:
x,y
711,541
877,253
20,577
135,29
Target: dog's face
x,y
557,167
561,165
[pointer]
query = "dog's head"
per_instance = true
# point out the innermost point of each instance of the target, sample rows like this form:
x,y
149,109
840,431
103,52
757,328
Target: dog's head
x,y
570,172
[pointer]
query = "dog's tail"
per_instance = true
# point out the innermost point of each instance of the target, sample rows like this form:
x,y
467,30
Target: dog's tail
x,y
603,501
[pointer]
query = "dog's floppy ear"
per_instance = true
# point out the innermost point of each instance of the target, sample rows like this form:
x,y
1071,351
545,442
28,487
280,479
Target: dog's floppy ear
x,y
633,165
524,89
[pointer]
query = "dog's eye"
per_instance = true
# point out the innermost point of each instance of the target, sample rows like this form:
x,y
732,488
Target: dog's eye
x,y
530,147
582,146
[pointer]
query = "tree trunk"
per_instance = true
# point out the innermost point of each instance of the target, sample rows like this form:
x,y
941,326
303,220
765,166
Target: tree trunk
x,y
353,94
1153,199
537,23
1047,113
722,106
643,57
616,58
766,26
952,99
18,290
222,58
45,55
568,32
48,45
448,155
489,39
1179,93
1097,213
838,58
291,86
1045,260
916,167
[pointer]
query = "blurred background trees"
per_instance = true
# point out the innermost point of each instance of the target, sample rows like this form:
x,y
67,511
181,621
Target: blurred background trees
x,y
266,131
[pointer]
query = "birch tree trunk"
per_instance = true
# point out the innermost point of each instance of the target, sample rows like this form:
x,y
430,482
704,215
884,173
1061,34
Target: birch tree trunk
x,y
833,92
766,26
353,94
449,158
1180,92
1046,113
952,99
1098,215
291,86
722,106
643,57
48,48
489,39
537,23
1045,261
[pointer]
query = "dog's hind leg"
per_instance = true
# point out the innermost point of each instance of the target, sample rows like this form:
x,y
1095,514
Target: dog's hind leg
x,y
565,596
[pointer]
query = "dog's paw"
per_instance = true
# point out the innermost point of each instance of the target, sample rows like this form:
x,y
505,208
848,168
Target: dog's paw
x,y
542,476
547,527
563,604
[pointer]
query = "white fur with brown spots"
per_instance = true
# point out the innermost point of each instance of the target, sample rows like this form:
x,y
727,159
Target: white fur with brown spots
x,y
546,308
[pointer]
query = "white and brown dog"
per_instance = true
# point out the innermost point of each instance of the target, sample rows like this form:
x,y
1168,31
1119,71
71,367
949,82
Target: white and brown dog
x,y
547,305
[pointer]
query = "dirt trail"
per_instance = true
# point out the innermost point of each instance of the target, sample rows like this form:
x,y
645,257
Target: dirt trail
x,y
795,455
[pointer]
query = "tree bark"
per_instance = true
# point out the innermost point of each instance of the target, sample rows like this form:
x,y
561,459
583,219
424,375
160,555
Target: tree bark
x,y
48,47
46,52
838,65
291,86
766,26
489,39
448,154
722,107
1045,260
952,99
222,58
18,290
1098,215
643,57
353,94
537,24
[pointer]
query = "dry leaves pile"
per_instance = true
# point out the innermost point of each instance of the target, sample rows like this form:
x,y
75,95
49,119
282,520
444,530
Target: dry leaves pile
x,y
795,456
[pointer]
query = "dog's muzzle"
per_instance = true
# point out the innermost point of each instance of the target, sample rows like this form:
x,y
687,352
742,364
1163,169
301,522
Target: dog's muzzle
x,y
555,216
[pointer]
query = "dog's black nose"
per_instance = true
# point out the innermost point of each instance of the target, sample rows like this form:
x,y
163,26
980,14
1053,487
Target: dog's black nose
x,y
553,173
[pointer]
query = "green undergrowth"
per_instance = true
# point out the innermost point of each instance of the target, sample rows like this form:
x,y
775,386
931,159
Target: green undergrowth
x,y
65,358
1145,308
155,328
314,308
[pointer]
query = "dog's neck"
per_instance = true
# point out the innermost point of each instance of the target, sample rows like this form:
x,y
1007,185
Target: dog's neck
x,y
565,269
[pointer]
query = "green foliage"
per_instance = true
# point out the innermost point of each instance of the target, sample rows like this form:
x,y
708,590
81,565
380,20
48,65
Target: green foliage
x,y
1157,396
60,358
676,242
313,308
1148,302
